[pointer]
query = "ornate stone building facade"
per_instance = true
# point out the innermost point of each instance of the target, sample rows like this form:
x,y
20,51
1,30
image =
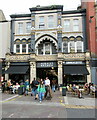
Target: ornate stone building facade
x,y
49,42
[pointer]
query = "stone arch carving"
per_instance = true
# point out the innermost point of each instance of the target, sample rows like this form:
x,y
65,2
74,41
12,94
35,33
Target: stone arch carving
x,y
46,37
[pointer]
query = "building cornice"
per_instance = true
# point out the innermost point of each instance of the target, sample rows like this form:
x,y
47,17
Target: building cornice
x,y
20,15
74,11
51,7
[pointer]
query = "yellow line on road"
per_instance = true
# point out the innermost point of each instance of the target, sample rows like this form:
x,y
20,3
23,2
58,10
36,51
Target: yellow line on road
x,y
10,99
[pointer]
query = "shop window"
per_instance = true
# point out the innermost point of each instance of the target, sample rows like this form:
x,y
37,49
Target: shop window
x,y
41,22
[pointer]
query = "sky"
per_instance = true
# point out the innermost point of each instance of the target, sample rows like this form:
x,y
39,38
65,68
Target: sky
x,y
22,6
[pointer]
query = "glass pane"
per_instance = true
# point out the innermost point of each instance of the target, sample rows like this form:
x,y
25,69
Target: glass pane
x,y
79,46
47,48
20,28
67,25
28,27
40,49
50,21
54,51
72,46
65,47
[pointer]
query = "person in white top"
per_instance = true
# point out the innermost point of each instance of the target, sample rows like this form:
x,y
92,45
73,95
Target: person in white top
x,y
48,88
47,82
15,88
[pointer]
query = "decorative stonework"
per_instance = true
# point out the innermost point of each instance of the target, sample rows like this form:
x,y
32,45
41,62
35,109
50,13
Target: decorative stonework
x,y
46,58
17,58
74,56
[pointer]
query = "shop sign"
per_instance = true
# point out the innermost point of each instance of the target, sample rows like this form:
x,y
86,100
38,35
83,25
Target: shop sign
x,y
73,62
46,64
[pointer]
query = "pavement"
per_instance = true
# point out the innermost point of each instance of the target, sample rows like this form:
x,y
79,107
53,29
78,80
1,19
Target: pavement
x,y
86,102
69,106
69,101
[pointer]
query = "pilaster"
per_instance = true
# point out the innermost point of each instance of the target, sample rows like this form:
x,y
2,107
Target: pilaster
x,y
88,68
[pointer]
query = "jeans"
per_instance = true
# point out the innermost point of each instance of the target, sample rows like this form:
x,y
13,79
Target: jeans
x,y
34,91
41,96
53,87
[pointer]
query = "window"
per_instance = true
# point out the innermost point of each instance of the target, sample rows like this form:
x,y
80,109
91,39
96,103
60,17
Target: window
x,y
20,28
79,46
40,49
65,46
75,25
47,48
41,22
72,46
28,27
29,47
17,48
50,21
67,25
24,48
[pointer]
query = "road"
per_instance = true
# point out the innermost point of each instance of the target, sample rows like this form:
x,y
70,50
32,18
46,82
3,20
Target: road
x,y
16,106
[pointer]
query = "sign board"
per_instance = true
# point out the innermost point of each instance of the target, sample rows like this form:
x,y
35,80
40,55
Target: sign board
x,y
73,62
46,64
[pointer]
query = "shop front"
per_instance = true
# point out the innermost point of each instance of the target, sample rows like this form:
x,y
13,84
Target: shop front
x,y
18,71
75,72
47,69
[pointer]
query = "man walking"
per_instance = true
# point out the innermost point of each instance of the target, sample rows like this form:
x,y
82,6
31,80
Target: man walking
x,y
48,88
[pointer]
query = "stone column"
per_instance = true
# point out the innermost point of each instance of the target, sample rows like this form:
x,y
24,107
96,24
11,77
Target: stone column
x,y
32,71
89,70
60,72
7,75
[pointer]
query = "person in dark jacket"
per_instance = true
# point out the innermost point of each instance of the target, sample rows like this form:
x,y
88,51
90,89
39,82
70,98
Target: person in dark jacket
x,y
34,86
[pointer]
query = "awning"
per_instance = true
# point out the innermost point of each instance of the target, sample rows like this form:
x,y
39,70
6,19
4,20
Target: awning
x,y
17,70
75,70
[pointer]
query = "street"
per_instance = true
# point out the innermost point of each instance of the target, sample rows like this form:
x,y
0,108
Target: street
x,y
20,106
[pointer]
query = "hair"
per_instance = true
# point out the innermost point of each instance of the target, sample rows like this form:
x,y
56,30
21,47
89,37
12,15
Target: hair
x,y
41,84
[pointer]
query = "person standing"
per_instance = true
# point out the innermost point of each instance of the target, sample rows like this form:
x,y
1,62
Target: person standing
x,y
34,85
48,88
26,87
41,90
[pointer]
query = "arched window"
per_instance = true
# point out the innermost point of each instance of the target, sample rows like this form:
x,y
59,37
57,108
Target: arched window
x,y
29,45
79,46
24,45
65,46
17,44
72,46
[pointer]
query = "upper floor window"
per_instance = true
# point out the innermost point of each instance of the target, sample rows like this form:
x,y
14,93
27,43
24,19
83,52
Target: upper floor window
x,y
67,25
50,21
28,27
47,48
20,28
76,25
41,22
79,46
72,46
65,46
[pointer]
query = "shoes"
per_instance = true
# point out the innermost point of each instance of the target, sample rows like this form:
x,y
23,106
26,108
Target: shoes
x,y
31,95
40,101
35,98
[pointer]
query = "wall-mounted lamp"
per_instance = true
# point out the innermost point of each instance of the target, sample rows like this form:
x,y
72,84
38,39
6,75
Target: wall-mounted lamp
x,y
91,19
